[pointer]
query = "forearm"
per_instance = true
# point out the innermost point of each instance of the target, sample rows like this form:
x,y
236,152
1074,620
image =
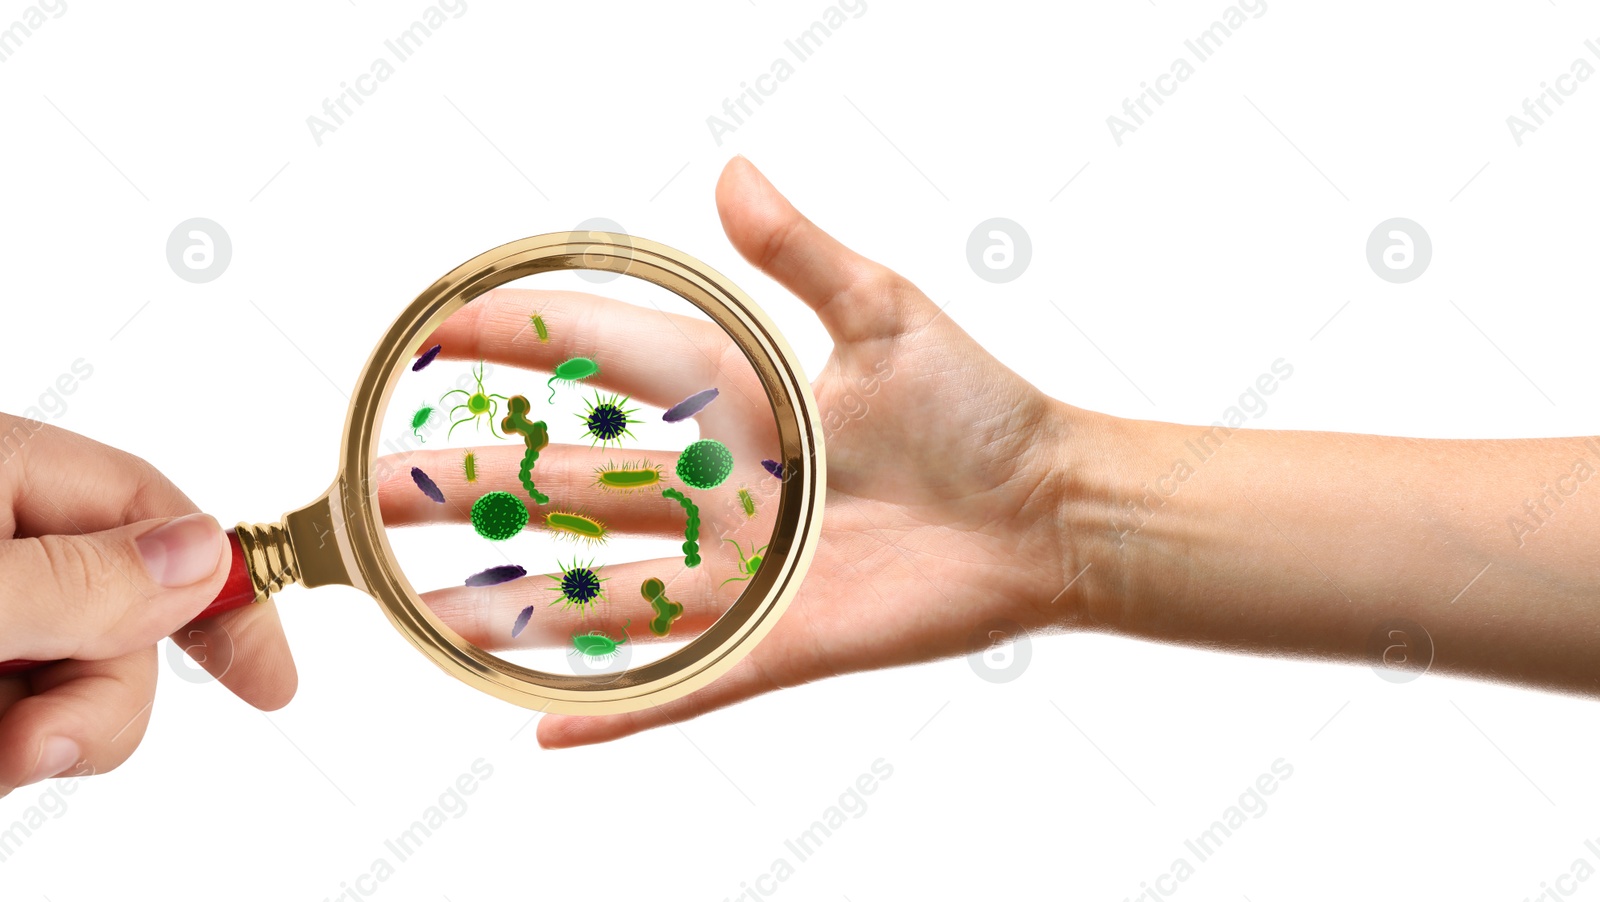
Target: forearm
x,y
1307,543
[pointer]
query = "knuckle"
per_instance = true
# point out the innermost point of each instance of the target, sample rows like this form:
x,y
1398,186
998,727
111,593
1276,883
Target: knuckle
x,y
75,569
772,248
889,283
874,281
728,361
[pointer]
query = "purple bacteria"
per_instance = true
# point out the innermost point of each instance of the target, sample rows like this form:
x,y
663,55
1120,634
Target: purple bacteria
x,y
427,485
522,621
690,406
773,467
494,576
426,358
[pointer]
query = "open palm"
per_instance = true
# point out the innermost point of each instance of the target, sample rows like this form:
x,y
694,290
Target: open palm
x,y
942,489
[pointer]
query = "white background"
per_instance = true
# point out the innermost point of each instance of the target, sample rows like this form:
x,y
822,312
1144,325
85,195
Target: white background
x,y
1223,234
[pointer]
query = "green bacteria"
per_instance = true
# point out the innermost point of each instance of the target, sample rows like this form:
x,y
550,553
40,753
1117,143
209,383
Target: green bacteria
x,y
534,435
597,646
572,525
539,328
606,421
498,516
705,464
419,420
627,476
579,587
747,566
667,611
747,502
469,466
571,371
479,403
691,529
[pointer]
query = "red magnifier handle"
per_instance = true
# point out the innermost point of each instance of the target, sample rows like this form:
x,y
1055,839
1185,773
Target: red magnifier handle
x,y
237,592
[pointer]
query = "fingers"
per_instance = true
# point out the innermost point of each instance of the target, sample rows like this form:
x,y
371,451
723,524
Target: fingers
x,y
746,680
485,616
565,472
855,298
60,482
104,594
632,344
247,651
84,717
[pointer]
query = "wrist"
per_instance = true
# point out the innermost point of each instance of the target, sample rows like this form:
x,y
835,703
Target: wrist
x,y
1076,483
1103,485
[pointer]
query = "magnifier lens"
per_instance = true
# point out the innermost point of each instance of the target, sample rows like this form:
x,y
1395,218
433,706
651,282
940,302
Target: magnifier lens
x,y
579,485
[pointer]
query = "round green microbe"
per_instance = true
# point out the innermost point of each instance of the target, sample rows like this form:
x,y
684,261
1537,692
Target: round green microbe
x,y
705,464
498,516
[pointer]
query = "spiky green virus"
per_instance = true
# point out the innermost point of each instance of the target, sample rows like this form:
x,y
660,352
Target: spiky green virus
x,y
606,421
579,587
498,516
705,464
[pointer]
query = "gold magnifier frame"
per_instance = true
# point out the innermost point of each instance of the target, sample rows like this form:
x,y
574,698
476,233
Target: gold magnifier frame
x,y
340,539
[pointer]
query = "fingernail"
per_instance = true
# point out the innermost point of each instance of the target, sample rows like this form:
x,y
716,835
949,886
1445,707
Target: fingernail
x,y
182,552
59,753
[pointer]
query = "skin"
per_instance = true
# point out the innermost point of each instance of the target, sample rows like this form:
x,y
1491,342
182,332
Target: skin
x,y
77,591
1282,543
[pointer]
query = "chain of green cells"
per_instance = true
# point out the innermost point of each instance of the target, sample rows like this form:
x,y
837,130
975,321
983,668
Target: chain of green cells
x,y
534,434
691,531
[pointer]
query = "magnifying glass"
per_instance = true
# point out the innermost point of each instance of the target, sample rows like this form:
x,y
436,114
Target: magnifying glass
x,y
590,536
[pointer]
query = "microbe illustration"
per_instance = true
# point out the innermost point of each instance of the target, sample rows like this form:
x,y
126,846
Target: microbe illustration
x,y
667,611
571,371
534,435
494,576
498,516
420,419
747,501
628,476
690,406
427,485
479,403
606,421
597,646
579,587
539,328
522,621
773,467
426,358
573,525
469,466
705,464
747,566
691,529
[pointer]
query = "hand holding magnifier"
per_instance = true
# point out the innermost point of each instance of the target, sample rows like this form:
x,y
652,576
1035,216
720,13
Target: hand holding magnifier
x,y
343,537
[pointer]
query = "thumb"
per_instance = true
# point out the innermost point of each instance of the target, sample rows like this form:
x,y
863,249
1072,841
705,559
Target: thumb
x,y
855,298
104,594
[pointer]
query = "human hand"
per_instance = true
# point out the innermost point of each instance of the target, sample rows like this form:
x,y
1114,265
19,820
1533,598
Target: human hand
x,y
943,479
101,556
944,468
